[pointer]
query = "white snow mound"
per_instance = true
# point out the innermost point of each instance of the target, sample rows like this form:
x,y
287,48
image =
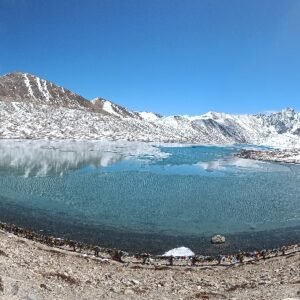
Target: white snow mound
x,y
180,251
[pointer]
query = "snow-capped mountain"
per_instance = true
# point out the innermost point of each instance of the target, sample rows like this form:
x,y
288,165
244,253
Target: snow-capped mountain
x,y
31,107
26,88
113,109
285,121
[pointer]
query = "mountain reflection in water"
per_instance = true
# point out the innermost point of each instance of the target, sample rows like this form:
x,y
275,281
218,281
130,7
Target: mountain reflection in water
x,y
42,158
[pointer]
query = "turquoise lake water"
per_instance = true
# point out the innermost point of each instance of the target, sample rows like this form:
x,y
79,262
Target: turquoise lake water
x,y
133,194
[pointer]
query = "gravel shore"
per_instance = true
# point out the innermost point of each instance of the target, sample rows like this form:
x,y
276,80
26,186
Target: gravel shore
x,y
31,270
279,156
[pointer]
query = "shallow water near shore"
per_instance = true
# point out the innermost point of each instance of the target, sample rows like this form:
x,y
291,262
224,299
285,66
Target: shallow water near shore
x,y
141,197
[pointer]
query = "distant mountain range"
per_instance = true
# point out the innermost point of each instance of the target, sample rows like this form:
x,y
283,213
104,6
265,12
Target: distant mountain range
x,y
35,108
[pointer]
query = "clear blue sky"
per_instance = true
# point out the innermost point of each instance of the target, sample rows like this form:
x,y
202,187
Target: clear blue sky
x,y
167,56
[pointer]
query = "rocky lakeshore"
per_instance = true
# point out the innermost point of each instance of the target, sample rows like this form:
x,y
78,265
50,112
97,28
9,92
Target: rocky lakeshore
x,y
284,156
30,269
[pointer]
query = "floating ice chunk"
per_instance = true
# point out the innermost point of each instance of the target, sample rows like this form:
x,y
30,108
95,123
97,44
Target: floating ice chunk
x,y
212,165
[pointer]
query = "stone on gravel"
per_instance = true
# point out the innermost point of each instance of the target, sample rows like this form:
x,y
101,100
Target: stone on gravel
x,y
218,239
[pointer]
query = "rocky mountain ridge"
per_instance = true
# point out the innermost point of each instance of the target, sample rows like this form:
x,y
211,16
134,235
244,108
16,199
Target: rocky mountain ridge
x,y
26,88
31,107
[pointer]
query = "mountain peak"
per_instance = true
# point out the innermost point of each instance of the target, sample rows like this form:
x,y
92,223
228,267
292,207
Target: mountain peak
x,y
113,109
16,73
28,88
288,111
98,99
25,87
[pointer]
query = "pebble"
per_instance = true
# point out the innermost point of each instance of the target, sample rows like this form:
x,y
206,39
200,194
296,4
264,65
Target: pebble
x,y
128,292
218,239
136,282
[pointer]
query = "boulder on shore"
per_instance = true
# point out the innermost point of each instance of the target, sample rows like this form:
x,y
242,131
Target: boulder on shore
x,y
218,239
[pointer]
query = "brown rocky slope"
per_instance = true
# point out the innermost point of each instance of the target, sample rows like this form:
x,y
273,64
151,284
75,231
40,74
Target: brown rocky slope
x,y
30,270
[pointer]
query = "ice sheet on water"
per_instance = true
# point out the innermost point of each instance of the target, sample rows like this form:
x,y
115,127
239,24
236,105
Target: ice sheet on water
x,y
235,164
42,157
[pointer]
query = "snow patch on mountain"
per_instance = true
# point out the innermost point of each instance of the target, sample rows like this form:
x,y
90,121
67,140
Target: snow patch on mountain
x,y
28,85
148,116
107,106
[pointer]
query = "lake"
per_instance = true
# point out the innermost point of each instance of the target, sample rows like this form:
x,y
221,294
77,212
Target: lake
x,y
143,197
